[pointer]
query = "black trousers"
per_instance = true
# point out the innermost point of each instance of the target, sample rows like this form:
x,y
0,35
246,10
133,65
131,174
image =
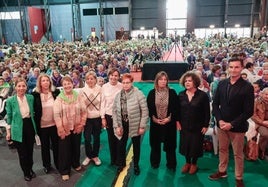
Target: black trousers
x,y
155,156
92,129
69,153
122,144
111,139
49,138
158,135
25,148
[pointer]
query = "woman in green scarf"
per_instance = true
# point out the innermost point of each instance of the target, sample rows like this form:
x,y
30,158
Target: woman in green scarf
x,y
4,88
70,117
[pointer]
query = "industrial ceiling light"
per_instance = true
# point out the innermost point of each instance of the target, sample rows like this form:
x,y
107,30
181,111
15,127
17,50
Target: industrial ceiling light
x,y
212,26
237,25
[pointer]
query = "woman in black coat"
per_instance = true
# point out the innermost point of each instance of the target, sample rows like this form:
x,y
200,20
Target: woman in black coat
x,y
193,120
162,112
44,96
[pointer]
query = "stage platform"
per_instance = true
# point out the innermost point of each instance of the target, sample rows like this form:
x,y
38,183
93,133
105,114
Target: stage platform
x,y
174,69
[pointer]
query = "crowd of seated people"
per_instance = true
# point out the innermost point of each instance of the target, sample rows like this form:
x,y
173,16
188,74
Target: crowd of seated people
x,y
69,56
208,57
72,58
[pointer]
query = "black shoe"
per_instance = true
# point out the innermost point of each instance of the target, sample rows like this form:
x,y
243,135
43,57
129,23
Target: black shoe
x,y
32,174
47,169
11,145
27,178
137,170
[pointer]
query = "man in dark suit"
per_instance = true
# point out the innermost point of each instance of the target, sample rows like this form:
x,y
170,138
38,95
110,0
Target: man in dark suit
x,y
233,105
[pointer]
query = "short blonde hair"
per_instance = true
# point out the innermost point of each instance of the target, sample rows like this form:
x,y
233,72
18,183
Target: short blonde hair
x,y
91,73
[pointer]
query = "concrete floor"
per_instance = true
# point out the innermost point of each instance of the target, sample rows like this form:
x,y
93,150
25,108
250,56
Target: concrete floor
x,y
11,174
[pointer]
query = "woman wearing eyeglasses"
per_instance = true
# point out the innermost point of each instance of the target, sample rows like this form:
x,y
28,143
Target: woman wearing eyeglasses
x,y
130,117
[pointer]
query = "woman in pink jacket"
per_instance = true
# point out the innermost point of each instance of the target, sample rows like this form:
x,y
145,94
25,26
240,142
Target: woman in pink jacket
x,y
70,117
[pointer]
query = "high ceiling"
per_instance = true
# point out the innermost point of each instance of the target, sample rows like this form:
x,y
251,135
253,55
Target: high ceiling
x,y
4,3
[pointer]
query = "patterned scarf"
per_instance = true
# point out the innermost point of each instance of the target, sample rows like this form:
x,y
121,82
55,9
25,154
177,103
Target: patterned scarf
x,y
161,102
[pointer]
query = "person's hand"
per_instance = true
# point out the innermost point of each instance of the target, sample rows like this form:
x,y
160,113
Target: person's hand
x,y
161,121
265,123
204,130
104,123
141,131
155,119
8,136
61,133
62,136
178,125
164,121
119,131
226,126
78,130
221,123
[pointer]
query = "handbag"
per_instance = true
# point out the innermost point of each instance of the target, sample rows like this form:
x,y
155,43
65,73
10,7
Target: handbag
x,y
251,149
207,144
37,140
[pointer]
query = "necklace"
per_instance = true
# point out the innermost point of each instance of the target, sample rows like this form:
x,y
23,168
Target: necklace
x,y
45,96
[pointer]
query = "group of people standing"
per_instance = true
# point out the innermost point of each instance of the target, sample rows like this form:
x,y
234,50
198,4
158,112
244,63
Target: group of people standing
x,y
56,116
62,116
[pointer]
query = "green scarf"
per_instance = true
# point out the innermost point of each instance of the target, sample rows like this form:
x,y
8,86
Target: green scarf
x,y
5,85
66,99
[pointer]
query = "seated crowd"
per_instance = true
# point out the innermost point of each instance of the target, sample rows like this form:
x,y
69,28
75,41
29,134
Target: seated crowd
x,y
73,65
209,57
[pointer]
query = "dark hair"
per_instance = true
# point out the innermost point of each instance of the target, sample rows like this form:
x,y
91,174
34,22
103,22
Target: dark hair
x,y
256,83
112,70
194,76
249,65
223,73
215,68
243,73
76,72
236,58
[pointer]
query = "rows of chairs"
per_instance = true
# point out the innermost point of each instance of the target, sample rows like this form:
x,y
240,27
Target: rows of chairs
x,y
3,123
